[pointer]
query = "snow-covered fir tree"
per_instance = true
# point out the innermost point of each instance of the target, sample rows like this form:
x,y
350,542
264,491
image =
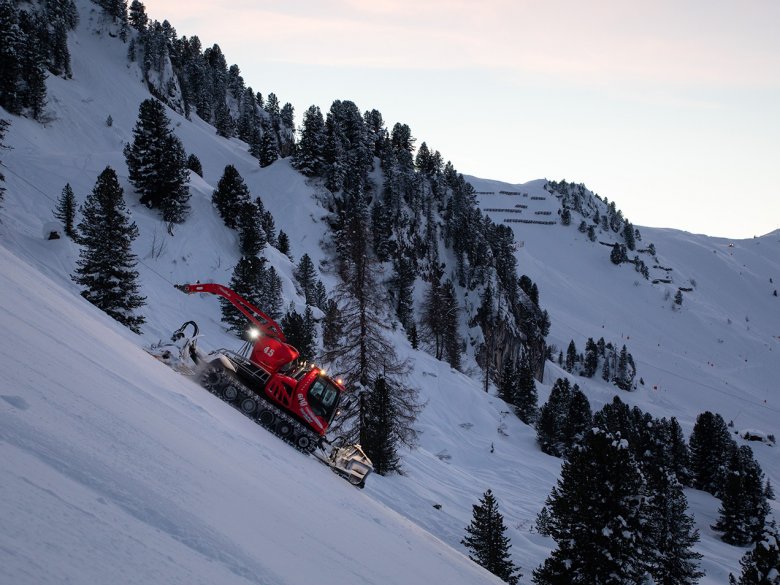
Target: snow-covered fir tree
x,y
306,276
761,564
563,420
230,196
283,245
710,448
487,542
507,386
194,164
671,535
526,398
378,428
248,275
106,262
66,211
744,507
596,516
362,353
157,163
3,129
309,156
251,236
300,331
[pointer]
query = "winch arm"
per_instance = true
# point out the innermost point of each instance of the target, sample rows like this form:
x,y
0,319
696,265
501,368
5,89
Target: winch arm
x,y
265,324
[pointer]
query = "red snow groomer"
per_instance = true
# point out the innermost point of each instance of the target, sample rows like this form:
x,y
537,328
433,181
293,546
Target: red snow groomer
x,y
267,382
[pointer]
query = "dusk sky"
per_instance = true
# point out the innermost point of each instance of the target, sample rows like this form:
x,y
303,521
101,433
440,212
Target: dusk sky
x,y
669,108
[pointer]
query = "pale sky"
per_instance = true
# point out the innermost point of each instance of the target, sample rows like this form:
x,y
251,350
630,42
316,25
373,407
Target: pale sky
x,y
671,108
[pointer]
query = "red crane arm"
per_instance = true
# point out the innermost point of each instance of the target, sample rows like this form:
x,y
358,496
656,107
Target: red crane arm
x,y
263,322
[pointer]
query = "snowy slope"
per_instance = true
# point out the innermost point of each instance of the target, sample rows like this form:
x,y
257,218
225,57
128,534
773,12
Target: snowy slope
x,y
114,469
117,470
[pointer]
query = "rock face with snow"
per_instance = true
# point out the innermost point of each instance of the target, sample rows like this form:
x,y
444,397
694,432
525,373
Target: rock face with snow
x,y
114,469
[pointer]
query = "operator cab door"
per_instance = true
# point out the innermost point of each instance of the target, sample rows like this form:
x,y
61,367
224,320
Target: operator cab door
x,y
323,397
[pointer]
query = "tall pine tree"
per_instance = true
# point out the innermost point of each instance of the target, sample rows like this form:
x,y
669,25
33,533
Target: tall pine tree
x,y
710,449
66,211
744,507
596,517
106,262
300,331
230,196
157,163
761,564
526,398
487,542
377,429
3,129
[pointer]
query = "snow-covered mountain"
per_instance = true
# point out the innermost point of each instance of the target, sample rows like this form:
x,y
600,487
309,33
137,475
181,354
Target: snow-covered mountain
x,y
113,468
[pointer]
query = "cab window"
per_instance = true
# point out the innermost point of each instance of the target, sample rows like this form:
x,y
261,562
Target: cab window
x,y
323,396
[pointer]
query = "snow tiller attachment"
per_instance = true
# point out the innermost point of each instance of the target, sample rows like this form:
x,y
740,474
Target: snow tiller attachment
x,y
268,383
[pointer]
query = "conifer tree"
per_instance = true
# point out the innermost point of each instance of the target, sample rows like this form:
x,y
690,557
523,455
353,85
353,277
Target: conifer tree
x,y
526,398
452,339
596,516
283,245
271,293
3,129
760,564
223,121
577,420
248,276
331,326
66,211
571,356
320,296
743,507
267,222
309,157
230,196
438,314
552,416
363,354
377,430
626,370
300,331
269,149
591,362
156,163
671,534
252,238
680,456
106,262
508,386
628,235
618,254
193,164
486,540
306,276
12,41
137,16
710,448
403,285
